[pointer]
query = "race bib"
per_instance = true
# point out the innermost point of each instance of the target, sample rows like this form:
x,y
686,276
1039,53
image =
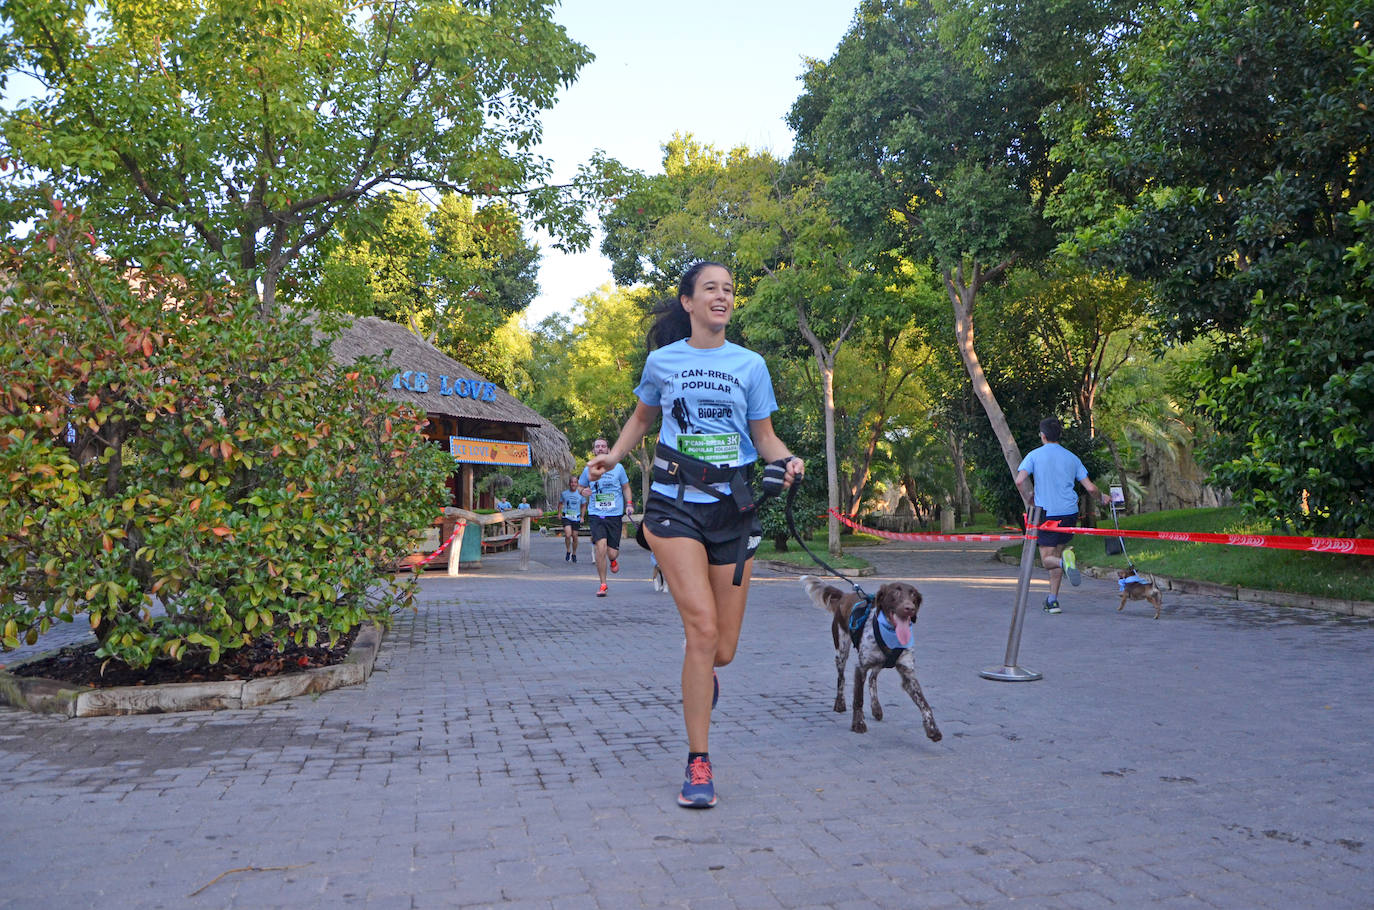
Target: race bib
x,y
603,502
714,448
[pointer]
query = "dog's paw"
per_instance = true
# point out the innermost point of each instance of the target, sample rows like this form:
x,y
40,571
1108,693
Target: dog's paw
x,y
859,726
877,711
933,733
840,706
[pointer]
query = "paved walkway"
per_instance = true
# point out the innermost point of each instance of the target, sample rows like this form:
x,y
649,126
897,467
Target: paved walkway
x,y
520,745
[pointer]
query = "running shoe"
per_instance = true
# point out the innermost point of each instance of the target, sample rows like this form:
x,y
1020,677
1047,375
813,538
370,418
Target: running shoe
x,y
699,789
574,557
601,592
1071,568
615,566
567,557
1051,605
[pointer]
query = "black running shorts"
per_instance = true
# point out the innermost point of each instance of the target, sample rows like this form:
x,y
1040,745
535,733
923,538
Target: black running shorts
x,y
717,525
607,528
1045,538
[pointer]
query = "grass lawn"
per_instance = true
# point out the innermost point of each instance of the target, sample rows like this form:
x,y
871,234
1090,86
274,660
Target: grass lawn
x,y
819,544
1292,571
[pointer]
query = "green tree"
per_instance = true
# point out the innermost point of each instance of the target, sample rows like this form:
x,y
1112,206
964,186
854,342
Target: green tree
x,y
1242,151
165,446
583,369
931,158
452,273
1094,323
247,128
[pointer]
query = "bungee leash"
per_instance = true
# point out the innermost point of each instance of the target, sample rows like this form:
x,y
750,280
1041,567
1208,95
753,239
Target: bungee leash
x,y
792,526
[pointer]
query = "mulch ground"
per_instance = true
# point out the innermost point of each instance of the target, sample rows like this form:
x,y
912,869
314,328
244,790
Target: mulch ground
x,y
78,664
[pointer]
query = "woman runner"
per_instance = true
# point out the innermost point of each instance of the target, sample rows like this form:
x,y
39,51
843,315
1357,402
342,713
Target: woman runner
x,y
716,400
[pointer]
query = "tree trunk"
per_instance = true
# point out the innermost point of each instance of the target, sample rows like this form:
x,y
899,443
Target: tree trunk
x,y
963,296
963,495
861,471
825,360
832,474
644,457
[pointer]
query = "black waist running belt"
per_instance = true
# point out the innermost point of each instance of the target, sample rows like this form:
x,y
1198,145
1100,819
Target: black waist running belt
x,y
672,466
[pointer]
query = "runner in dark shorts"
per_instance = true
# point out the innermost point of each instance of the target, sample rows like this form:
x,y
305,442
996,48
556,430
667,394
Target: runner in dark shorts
x,y
1046,538
607,529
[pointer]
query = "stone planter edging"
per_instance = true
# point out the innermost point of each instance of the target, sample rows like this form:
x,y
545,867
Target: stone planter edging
x,y
51,696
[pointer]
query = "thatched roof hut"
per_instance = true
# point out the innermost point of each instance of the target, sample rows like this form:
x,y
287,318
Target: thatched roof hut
x,y
458,400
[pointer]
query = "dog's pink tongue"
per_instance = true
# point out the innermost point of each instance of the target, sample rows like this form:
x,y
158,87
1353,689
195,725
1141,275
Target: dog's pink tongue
x,y
903,627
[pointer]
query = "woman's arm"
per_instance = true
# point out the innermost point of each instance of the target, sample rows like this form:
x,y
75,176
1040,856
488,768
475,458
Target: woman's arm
x,y
771,448
635,429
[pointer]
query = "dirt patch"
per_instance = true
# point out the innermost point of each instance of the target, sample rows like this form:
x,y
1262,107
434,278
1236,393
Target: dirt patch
x,y
79,665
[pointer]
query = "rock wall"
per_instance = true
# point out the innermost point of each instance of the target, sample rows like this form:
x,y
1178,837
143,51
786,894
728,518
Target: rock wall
x,y
1173,479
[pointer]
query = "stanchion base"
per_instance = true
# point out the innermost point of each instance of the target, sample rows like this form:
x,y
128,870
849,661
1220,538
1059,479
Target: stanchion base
x,y
1010,674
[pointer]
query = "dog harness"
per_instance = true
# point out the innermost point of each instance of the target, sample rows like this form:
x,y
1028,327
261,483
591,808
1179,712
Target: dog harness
x,y
1121,583
884,634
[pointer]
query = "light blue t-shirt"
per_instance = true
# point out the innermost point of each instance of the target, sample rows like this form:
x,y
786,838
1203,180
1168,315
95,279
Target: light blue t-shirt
x,y
570,504
708,397
1054,469
608,493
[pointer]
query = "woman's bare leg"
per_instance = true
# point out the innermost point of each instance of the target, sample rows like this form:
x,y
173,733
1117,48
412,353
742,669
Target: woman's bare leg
x,y
712,611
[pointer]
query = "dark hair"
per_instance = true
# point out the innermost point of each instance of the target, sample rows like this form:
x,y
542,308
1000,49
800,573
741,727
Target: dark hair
x,y
1052,429
671,322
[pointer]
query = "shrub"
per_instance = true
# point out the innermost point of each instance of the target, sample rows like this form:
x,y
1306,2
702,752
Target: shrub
x,y
167,445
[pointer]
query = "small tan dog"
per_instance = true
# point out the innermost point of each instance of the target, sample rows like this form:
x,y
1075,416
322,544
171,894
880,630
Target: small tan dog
x,y
1138,587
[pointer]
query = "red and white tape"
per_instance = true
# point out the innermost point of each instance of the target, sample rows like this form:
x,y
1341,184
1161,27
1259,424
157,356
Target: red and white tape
x,y
899,535
1344,545
1350,546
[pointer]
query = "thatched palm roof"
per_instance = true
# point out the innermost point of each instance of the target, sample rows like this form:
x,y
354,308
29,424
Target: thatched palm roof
x,y
369,336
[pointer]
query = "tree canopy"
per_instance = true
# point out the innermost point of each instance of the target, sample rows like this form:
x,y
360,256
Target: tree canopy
x,y
245,129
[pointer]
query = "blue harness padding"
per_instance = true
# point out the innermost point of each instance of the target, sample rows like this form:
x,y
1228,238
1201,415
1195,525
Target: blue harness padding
x,y
883,631
1121,583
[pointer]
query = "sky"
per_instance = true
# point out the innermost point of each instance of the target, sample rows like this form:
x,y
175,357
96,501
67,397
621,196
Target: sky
x,y
726,71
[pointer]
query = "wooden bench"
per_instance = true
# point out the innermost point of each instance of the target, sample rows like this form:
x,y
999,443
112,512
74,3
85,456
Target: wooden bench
x,y
502,536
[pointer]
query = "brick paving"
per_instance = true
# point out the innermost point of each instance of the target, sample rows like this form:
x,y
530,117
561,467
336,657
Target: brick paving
x,y
520,745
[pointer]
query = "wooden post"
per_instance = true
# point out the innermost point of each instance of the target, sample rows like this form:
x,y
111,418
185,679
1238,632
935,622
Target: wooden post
x,y
525,542
456,547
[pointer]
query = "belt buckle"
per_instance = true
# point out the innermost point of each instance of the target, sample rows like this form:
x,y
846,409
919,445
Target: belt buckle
x,y
672,468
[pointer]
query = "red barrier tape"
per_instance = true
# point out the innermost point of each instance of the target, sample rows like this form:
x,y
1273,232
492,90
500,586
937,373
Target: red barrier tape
x,y
457,529
1345,545
895,535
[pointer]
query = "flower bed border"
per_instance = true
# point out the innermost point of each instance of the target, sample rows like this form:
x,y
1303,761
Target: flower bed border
x,y
51,696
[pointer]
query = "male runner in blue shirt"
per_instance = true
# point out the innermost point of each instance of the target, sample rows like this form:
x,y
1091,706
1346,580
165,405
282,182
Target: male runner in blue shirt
x,y
608,502
1055,469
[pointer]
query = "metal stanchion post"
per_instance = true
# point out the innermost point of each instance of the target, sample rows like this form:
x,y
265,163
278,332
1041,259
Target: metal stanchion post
x,y
1009,671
